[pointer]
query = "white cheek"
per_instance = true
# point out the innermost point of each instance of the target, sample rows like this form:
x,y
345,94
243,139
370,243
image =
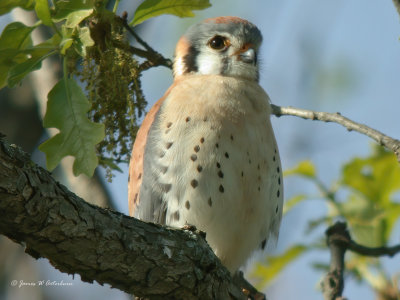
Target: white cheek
x,y
208,64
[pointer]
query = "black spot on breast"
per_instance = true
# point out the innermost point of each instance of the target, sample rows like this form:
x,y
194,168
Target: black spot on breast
x,y
242,173
176,216
218,165
220,174
196,148
209,202
167,131
169,124
278,193
168,145
139,176
166,187
231,137
226,154
164,169
278,170
193,157
258,167
221,188
199,168
263,244
194,183
187,119
279,181
217,145
202,140
274,158
135,198
187,205
276,209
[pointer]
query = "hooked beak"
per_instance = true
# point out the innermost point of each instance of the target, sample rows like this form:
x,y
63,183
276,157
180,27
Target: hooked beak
x,y
248,55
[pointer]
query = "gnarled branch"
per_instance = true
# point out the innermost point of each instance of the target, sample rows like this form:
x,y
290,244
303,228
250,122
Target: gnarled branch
x,y
139,258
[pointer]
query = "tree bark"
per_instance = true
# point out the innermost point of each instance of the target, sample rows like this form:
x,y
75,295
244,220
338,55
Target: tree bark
x,y
139,258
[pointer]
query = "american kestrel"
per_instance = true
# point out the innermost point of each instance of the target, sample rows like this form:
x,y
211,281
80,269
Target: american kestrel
x,y
206,153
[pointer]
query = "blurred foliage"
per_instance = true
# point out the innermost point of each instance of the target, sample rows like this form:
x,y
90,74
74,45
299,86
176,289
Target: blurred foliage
x,y
366,196
98,126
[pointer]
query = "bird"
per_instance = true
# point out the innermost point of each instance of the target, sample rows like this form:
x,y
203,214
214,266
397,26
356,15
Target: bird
x,y
206,154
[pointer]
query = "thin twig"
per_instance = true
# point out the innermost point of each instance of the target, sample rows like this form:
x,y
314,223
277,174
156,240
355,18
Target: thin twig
x,y
379,137
153,57
375,252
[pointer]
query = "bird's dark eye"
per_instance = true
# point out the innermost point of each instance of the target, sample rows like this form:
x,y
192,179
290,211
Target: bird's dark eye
x,y
218,42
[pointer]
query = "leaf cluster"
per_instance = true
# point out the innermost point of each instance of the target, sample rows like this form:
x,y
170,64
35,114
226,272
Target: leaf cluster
x,y
99,125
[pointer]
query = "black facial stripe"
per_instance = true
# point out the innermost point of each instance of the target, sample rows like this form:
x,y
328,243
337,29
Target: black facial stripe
x,y
190,60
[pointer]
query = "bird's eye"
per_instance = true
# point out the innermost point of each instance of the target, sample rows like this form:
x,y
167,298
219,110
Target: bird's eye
x,y
218,42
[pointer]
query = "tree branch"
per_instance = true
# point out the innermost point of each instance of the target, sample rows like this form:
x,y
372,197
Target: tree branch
x,y
379,137
139,258
397,5
339,241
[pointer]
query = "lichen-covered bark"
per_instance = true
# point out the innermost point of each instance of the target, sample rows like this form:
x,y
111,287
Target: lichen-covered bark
x,y
76,237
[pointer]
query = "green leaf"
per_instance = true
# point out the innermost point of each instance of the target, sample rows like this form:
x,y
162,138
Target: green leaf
x,y
181,8
74,18
85,40
16,36
289,204
377,177
275,264
7,5
65,44
304,168
36,55
66,110
65,7
43,12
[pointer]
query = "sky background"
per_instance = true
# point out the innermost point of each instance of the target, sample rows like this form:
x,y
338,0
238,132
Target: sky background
x,y
317,54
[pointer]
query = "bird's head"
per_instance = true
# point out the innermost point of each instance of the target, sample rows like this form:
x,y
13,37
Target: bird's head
x,y
225,46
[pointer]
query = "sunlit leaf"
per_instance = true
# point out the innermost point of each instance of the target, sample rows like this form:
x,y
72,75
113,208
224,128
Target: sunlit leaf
x,y
65,7
289,204
304,168
66,110
7,5
43,12
74,18
377,177
369,209
85,40
181,8
273,265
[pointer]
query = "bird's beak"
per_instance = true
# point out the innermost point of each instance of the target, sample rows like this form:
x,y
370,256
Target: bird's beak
x,y
248,55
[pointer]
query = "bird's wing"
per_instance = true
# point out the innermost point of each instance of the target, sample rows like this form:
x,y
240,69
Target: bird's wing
x,y
143,154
